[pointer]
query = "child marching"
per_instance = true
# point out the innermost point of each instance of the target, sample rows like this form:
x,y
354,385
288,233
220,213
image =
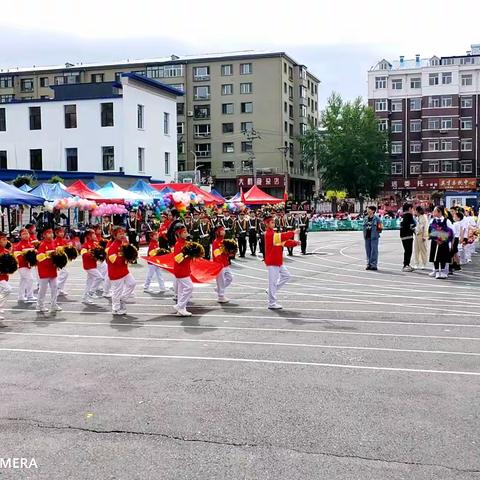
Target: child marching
x,y
8,265
181,271
26,256
154,270
222,254
89,262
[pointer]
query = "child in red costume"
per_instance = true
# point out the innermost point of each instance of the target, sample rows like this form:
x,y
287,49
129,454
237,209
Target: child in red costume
x,y
153,270
5,288
181,270
225,277
61,241
25,287
94,277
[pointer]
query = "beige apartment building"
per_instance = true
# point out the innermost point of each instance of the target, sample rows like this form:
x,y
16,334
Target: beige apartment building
x,y
237,124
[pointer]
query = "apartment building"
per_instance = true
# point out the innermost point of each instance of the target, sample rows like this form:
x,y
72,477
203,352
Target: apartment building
x,y
109,129
237,123
430,108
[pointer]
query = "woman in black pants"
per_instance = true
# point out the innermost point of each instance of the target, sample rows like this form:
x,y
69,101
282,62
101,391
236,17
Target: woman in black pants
x,y
407,233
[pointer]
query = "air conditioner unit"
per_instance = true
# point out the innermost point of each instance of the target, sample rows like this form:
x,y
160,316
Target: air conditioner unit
x,y
187,180
189,113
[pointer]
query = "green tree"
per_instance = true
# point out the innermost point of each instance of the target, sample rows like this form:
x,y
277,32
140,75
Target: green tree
x,y
352,149
56,179
21,180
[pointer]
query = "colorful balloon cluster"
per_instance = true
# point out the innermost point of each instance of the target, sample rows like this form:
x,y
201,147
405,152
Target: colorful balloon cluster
x,y
109,209
178,200
72,202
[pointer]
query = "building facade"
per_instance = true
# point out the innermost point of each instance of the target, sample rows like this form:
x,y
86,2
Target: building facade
x,y
430,108
240,116
126,127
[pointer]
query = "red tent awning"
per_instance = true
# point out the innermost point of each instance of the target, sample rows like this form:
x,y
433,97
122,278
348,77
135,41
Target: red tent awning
x,y
208,198
79,189
255,196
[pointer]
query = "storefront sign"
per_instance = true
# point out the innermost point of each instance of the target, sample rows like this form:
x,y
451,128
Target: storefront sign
x,y
427,184
262,181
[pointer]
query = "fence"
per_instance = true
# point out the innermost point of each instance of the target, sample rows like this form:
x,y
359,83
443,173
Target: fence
x,y
320,225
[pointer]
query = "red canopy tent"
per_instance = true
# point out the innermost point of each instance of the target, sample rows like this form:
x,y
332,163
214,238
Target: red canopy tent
x,y
79,189
255,196
208,198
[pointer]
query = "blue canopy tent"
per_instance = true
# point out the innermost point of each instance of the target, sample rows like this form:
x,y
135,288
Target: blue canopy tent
x,y
143,188
50,191
93,186
25,188
217,194
116,194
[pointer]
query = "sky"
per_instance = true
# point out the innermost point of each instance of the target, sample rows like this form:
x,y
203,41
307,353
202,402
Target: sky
x,y
339,40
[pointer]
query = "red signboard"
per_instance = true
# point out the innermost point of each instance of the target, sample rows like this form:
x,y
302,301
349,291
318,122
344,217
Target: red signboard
x,y
433,184
262,181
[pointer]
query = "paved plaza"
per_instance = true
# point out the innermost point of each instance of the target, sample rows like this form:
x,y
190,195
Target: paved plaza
x,y
362,376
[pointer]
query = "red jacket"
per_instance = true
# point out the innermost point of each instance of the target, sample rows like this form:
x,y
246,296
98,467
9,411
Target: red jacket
x,y
61,242
116,264
153,245
181,265
33,236
219,256
274,246
46,268
2,251
20,248
87,258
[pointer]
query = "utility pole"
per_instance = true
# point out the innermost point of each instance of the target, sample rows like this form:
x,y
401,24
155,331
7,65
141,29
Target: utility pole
x,y
252,135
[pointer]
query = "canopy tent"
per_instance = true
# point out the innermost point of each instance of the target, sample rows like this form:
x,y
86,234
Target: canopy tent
x,y
143,188
93,186
235,199
10,195
255,196
111,192
217,194
50,191
79,189
207,198
25,188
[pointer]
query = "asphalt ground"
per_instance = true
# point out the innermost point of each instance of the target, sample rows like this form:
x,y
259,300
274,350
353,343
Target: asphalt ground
x,y
362,375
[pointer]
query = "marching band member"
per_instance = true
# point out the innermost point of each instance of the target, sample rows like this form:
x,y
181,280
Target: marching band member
x,y
153,270
25,287
5,288
181,271
205,234
227,223
224,278
241,226
289,226
303,224
252,233
94,277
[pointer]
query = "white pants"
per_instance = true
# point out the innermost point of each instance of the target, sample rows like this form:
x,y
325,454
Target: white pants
x,y
44,283
184,290
121,290
154,271
277,278
224,280
5,290
62,278
94,279
25,286
102,268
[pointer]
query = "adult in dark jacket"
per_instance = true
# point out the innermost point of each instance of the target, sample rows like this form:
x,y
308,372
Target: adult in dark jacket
x,y
372,228
407,235
176,220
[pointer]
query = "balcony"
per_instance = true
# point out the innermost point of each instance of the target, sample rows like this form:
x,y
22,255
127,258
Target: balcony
x,y
201,97
201,78
200,135
203,154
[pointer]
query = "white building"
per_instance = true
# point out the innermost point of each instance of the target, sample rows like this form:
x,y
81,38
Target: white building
x,y
113,128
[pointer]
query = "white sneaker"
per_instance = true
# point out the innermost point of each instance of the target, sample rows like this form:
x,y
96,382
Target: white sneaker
x,y
62,293
88,301
56,308
122,311
223,300
183,313
443,275
106,295
433,274
438,275
275,306
408,268
31,300
149,290
94,296
42,309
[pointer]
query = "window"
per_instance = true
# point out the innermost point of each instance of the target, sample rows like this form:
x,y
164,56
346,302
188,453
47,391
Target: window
x,y
180,108
246,88
164,71
446,78
226,70
167,163
26,85
416,82
466,61
201,130
397,126
446,145
382,125
118,76
290,130
303,110
380,82
290,150
227,89
227,127
466,168
71,156
36,159
290,73
246,126
246,107
228,147
397,84
67,78
201,73
201,93
245,68
433,102
448,61
415,169
70,116
141,159
35,118
447,101
6,98
466,123
97,77
108,158
247,146
227,108
227,166
397,148
396,105
447,123
433,124
415,147
466,145
433,146
3,160
397,168
3,120
433,79
447,166
6,82
415,125
415,104
285,127
201,112
203,150
166,123
181,148
285,88
467,79
180,128
107,114
466,102
140,116
433,167
290,111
